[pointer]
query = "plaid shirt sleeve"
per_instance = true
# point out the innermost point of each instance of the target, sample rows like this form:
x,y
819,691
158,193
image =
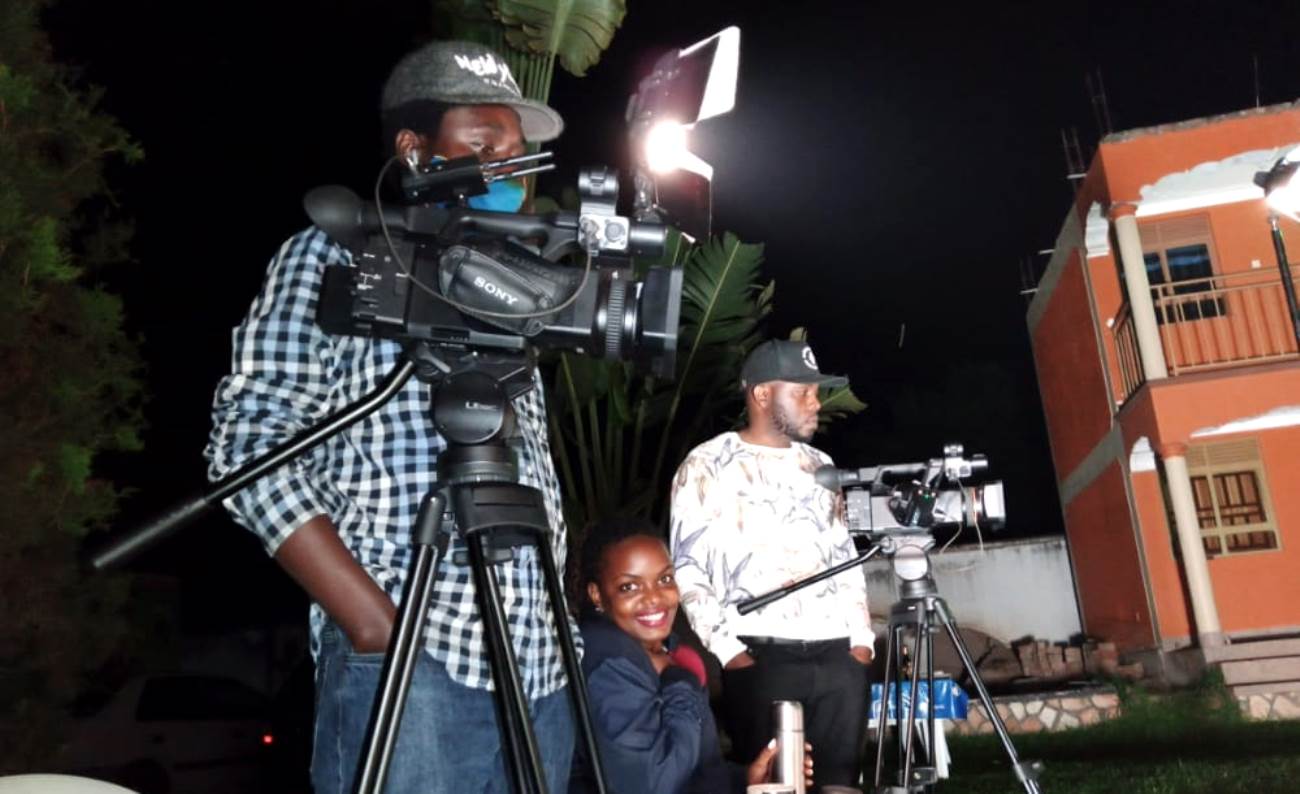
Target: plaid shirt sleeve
x,y
279,385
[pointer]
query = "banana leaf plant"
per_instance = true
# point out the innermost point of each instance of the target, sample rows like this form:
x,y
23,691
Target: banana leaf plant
x,y
533,34
618,435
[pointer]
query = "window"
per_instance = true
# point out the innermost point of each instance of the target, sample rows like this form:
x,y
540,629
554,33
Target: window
x,y
1231,496
1178,259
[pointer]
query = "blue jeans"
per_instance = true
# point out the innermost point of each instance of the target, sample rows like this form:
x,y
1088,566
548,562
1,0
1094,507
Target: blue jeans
x,y
448,740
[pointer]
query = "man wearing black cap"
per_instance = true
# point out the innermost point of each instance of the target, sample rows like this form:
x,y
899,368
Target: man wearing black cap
x,y
748,517
338,519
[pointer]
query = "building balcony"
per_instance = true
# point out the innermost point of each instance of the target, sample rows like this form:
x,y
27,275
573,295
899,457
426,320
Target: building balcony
x,y
1230,320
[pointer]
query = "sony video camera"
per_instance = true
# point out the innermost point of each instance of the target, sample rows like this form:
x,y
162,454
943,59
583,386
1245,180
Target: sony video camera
x,y
433,270
907,498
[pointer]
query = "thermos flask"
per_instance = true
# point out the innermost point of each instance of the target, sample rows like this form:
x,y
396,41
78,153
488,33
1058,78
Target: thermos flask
x,y
787,722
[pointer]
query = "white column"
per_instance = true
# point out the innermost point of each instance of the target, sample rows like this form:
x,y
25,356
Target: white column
x,y
1145,329
1195,567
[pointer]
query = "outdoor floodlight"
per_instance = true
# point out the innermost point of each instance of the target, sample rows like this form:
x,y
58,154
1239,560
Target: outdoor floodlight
x,y
1282,194
1281,188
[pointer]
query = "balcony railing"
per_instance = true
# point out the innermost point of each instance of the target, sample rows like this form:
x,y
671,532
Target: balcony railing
x,y
1228,320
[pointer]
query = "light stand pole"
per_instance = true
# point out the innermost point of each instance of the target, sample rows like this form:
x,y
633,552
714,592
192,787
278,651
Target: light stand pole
x,y
1282,195
1284,268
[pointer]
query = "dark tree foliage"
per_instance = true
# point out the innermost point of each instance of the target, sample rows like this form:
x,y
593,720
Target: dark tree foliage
x,y
70,384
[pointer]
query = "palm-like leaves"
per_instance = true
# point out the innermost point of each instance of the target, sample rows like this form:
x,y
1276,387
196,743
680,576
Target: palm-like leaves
x,y
574,31
615,429
723,304
608,422
533,34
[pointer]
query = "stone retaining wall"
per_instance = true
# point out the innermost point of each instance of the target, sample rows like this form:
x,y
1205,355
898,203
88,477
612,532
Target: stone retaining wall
x,y
1270,705
1042,711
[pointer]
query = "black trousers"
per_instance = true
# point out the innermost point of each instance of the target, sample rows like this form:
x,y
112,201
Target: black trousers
x,y
831,685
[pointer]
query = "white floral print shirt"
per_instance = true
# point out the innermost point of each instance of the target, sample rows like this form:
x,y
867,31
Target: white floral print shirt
x,y
747,519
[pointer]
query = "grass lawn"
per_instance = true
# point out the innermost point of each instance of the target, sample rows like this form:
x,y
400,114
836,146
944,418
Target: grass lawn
x,y
1193,741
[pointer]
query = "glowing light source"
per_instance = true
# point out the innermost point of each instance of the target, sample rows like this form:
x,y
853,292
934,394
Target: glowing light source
x,y
1281,188
665,144
667,148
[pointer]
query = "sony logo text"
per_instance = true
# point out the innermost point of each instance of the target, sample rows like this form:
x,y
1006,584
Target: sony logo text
x,y
494,290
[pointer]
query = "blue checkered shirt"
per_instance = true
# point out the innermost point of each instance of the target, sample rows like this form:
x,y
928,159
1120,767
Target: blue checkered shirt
x,y
286,375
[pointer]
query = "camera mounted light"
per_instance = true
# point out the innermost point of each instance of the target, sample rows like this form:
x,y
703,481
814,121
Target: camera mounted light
x,y
667,148
686,86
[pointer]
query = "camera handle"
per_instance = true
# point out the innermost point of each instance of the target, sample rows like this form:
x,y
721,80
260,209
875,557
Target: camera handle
x,y
758,602
124,549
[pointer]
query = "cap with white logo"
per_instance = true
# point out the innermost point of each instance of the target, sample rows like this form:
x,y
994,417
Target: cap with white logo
x,y
787,360
465,73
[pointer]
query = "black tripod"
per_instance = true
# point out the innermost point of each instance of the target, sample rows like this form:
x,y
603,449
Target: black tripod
x,y
477,496
921,609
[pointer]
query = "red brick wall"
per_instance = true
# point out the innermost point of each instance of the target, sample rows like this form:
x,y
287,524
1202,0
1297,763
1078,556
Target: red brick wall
x,y
1070,372
1107,570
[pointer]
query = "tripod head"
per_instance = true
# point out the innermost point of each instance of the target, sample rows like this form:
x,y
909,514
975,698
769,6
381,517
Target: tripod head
x,y
909,555
470,404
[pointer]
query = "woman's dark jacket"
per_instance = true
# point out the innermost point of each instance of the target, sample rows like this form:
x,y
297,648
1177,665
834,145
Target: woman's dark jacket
x,y
655,731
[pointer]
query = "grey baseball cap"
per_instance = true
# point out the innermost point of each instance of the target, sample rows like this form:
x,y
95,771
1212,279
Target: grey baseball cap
x,y
787,360
465,73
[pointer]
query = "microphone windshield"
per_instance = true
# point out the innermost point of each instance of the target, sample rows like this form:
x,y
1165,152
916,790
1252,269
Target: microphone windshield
x,y
833,479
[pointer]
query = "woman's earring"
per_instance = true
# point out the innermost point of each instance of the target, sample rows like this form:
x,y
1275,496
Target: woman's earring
x,y
413,159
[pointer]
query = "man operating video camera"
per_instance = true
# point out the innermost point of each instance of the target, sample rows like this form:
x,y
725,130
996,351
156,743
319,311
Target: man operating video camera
x,y
338,519
749,517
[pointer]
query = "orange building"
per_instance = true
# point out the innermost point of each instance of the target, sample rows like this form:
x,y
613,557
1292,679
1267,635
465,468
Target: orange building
x,y
1170,380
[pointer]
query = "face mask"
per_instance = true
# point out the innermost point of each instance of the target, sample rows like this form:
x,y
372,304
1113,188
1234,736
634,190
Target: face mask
x,y
506,195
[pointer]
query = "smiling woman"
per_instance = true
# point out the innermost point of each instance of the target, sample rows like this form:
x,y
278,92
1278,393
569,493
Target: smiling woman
x,y
648,692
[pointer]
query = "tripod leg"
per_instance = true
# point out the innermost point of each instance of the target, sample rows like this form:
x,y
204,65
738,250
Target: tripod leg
x,y
1026,772
931,741
519,743
898,694
404,648
885,694
572,667
905,772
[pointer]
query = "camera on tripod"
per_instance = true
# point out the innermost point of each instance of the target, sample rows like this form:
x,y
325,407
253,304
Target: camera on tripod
x,y
892,509
903,498
434,270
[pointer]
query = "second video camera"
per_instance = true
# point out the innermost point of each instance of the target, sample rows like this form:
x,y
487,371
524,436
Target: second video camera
x,y
904,498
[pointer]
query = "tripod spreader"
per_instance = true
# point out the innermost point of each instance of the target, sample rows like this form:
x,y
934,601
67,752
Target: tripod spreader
x,y
757,602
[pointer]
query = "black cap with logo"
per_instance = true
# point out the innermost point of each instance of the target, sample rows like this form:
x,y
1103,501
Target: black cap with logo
x,y
787,360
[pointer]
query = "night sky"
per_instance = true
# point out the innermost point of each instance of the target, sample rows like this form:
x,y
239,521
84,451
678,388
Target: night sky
x,y
899,162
